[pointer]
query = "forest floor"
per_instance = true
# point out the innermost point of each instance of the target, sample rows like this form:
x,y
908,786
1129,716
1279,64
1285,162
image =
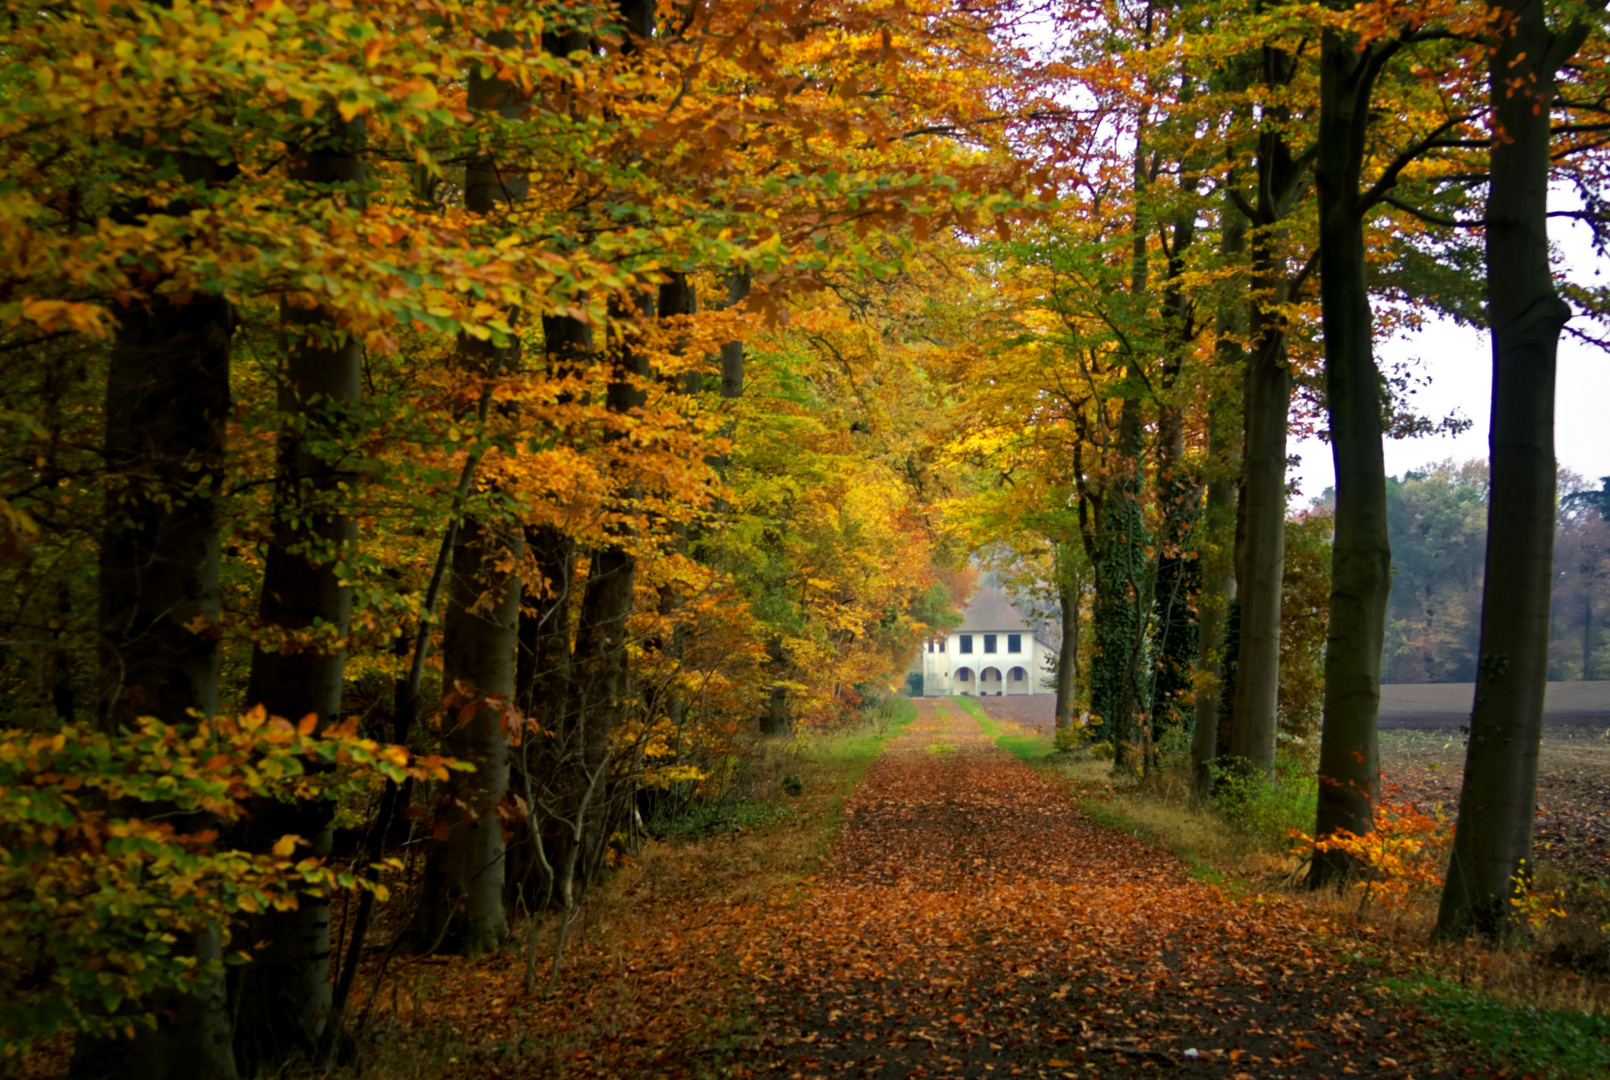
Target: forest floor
x,y
968,920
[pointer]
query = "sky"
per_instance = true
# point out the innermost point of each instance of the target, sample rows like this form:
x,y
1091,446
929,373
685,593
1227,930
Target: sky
x,y
1456,366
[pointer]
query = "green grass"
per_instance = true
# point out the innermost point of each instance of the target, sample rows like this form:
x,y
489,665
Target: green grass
x,y
1546,1043
705,819
1032,749
862,746
1201,867
833,763
1267,813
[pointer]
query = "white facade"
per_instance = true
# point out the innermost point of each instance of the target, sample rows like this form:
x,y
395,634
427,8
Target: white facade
x,y
994,652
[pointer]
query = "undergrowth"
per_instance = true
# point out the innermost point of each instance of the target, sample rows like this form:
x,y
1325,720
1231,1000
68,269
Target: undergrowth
x,y
753,848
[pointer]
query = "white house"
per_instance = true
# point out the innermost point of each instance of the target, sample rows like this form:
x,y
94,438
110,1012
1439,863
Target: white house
x,y
994,651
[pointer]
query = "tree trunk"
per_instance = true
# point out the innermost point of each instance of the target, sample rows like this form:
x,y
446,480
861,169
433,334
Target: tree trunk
x,y
285,993
461,900
775,720
1068,588
600,670
1218,529
1125,574
732,353
1218,588
1266,413
1257,677
1498,800
166,408
1125,578
544,664
599,686
739,281
1361,559
1179,577
461,906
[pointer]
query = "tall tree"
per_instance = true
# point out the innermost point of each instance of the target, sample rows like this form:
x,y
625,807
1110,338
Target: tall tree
x,y
1070,593
1283,176
1218,530
1179,492
461,903
167,403
1361,559
1355,51
306,603
1498,796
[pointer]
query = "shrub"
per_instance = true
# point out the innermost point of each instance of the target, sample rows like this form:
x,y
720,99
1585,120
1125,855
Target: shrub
x,y
109,856
1267,812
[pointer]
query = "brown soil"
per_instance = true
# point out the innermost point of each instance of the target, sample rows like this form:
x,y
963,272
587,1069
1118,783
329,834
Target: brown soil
x,y
1573,789
1422,707
1446,706
974,923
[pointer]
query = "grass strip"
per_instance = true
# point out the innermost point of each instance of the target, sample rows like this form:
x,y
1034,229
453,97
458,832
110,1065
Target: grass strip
x,y
1550,1044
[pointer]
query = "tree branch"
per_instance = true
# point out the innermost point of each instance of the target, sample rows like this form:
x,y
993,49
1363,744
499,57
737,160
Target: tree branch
x,y
1432,219
1389,177
1295,286
1241,203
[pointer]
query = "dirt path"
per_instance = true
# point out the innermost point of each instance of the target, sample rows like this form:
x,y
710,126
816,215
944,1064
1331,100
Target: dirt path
x,y
974,924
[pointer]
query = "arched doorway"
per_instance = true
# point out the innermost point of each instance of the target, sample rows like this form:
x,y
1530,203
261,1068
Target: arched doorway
x,y
964,680
989,682
1017,682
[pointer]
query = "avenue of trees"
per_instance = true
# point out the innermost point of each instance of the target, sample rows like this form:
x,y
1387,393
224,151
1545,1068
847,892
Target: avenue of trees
x,y
437,440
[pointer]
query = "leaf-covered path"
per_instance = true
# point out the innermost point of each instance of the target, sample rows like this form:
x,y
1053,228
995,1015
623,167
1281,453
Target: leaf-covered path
x,y
974,923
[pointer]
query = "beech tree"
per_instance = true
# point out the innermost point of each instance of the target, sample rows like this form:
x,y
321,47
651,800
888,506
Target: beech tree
x,y
1498,796
1283,176
1353,177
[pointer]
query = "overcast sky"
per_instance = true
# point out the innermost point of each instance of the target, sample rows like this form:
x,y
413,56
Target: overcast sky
x,y
1457,364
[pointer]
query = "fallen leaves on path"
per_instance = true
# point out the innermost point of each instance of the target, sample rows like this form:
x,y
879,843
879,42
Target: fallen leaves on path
x,y
974,924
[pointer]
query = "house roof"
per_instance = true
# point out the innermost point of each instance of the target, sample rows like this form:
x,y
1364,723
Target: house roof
x,y
992,611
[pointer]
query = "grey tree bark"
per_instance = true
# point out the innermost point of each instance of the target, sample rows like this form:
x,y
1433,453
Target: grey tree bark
x,y
1282,177
285,993
1069,590
1361,558
168,400
1498,797
461,901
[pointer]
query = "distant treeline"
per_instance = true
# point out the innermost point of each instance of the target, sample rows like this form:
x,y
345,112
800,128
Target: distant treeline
x,y
1438,522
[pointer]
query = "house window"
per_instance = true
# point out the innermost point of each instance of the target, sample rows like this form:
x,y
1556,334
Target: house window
x,y
989,642
967,643
1017,674
1014,642
930,646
